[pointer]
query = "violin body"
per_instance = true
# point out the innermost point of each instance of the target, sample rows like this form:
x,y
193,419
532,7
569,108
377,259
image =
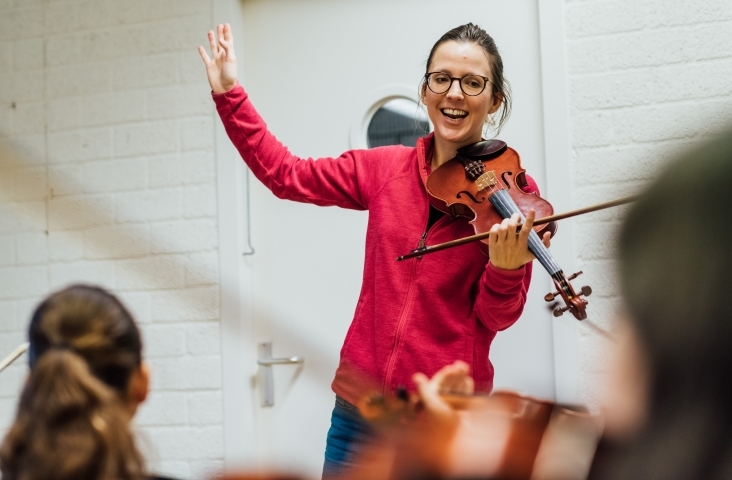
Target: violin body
x,y
483,184
507,435
453,191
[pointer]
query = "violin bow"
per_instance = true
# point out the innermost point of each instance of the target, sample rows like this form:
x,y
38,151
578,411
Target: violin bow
x,y
540,221
13,355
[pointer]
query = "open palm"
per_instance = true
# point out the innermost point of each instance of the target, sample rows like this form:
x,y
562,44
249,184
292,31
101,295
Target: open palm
x,y
221,67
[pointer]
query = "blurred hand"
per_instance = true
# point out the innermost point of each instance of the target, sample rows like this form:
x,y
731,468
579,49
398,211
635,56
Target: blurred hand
x,y
452,379
508,250
221,68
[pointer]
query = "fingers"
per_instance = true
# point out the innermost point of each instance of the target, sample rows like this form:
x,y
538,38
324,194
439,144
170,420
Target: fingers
x,y
493,237
428,393
456,383
547,239
512,227
222,42
228,36
499,231
420,379
469,386
204,55
212,43
454,378
226,46
528,225
505,232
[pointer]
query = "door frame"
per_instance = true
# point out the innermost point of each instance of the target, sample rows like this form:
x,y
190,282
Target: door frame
x,y
555,103
239,355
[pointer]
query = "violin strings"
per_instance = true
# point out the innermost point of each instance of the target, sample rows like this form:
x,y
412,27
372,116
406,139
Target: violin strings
x,y
536,246
507,207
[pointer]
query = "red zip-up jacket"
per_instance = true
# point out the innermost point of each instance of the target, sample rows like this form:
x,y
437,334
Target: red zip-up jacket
x,y
413,316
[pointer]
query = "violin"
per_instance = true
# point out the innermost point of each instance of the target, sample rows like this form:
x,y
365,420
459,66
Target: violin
x,y
504,435
483,184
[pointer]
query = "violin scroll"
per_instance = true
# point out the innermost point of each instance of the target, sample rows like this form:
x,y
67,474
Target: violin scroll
x,y
574,303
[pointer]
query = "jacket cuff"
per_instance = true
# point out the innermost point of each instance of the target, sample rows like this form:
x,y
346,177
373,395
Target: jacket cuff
x,y
234,93
507,274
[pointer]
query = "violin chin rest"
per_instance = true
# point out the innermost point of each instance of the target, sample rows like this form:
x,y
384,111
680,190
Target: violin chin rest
x,y
483,150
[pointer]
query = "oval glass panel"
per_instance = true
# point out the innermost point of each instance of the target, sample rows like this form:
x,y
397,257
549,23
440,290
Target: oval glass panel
x,y
398,122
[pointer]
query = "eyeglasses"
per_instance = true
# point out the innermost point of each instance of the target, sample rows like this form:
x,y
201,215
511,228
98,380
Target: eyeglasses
x,y
441,82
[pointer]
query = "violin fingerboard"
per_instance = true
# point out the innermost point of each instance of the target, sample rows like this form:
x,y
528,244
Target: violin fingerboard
x,y
505,206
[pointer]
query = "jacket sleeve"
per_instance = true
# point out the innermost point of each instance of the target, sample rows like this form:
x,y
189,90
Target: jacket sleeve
x,y
338,181
501,293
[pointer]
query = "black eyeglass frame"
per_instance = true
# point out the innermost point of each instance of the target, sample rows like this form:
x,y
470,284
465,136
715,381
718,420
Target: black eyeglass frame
x,y
460,82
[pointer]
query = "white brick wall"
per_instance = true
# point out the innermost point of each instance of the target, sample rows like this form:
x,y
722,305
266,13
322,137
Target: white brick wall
x,y
107,102
646,78
115,185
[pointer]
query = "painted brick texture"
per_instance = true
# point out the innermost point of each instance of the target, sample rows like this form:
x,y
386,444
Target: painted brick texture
x,y
112,181
646,79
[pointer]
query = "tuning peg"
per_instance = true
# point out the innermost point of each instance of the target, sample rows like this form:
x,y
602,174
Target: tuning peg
x,y
559,311
586,290
550,296
574,275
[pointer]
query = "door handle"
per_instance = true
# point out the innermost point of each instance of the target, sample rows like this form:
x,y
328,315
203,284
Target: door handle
x,y
280,361
265,361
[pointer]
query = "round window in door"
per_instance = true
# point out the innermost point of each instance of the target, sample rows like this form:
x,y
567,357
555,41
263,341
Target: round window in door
x,y
399,121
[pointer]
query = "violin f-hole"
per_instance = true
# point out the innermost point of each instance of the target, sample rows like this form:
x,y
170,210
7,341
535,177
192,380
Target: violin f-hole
x,y
475,200
503,177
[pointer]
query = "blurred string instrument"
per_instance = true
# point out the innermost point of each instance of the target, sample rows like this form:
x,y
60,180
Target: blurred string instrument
x,y
483,184
505,435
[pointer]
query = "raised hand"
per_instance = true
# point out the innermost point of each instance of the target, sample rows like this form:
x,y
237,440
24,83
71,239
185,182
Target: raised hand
x,y
509,250
451,379
221,68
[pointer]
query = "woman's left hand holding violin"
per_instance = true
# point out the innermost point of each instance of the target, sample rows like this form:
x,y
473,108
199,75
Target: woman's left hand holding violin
x,y
507,249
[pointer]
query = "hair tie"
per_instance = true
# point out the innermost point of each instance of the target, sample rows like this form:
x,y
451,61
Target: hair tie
x,y
33,354
62,347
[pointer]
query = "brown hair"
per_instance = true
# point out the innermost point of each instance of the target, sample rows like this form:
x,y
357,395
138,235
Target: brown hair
x,y
71,421
471,33
675,272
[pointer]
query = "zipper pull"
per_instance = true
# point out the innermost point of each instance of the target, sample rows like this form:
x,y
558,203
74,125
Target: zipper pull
x,y
422,243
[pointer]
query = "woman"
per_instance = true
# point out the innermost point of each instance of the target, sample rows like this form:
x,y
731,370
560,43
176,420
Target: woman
x,y
414,316
86,380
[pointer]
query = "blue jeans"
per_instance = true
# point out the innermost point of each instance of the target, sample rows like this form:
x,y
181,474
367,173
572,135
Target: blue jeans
x,y
348,430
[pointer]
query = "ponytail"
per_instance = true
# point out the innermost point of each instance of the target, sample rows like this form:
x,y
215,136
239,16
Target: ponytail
x,y
69,425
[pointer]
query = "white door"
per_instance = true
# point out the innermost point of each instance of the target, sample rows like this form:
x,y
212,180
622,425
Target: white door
x,y
309,68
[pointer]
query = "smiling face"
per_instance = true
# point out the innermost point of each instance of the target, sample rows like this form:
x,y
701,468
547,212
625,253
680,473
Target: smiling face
x,y
459,118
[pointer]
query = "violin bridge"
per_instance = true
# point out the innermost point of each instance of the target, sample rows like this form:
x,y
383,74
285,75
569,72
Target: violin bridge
x,y
487,180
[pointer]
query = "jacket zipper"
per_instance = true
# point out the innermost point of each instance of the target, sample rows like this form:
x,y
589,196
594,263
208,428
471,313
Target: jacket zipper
x,y
402,320
406,310
422,243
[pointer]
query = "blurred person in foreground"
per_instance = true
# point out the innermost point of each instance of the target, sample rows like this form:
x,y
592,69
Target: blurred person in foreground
x,y
669,397
86,380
